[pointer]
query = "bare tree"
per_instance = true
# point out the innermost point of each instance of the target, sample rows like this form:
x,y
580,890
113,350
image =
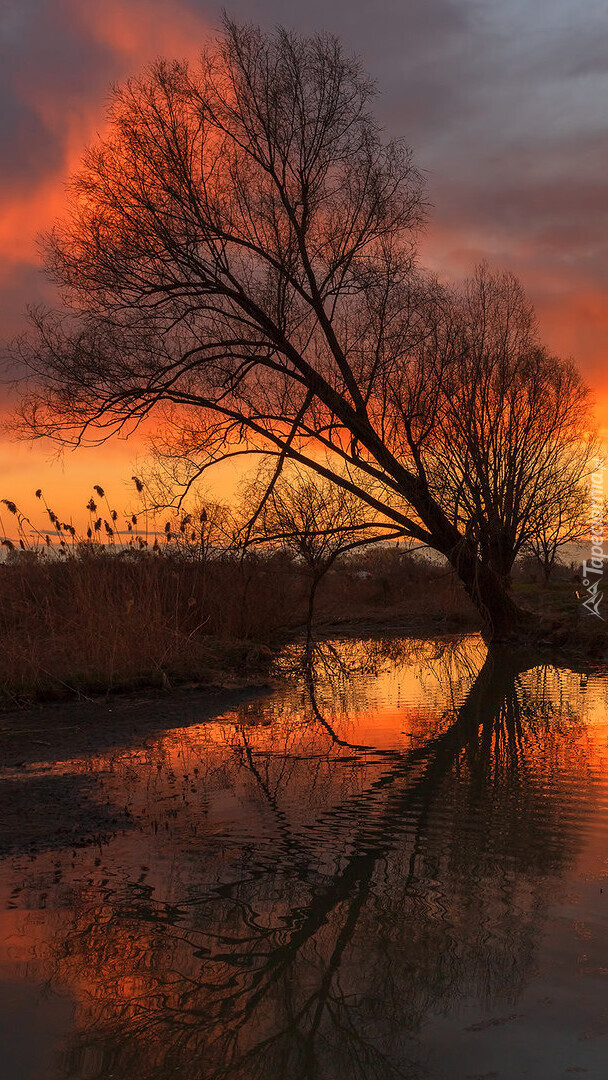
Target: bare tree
x,y
241,247
504,448
312,518
565,520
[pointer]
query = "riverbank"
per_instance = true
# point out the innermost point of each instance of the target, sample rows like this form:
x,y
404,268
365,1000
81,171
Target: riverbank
x,y
37,801
253,839
37,807
102,623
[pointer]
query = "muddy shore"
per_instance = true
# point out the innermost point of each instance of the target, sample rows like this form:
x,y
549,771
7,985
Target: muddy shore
x,y
43,803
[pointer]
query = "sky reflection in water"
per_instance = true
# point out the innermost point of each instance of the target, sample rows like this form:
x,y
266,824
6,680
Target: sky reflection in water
x,y
392,867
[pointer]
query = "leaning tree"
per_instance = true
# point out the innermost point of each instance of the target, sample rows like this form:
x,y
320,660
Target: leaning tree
x,y
241,246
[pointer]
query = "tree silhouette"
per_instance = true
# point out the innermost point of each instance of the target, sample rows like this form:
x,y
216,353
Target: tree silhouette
x,y
241,248
314,519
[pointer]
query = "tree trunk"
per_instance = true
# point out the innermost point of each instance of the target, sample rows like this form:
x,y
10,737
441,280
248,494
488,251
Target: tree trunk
x,y
502,619
311,612
500,558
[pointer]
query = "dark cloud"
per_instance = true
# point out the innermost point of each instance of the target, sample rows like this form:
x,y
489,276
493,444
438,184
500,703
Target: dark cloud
x,y
503,103
554,196
43,58
28,150
24,285
411,47
44,51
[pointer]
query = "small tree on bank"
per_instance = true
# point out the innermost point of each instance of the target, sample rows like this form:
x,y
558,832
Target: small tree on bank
x,y
564,522
313,519
241,247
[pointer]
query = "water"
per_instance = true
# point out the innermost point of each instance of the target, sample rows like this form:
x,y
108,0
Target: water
x,y
394,866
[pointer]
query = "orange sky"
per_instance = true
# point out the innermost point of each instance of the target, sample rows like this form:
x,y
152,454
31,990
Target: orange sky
x,y
133,34
509,128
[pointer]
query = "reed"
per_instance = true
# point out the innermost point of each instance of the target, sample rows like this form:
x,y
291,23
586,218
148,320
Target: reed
x,y
104,620
133,603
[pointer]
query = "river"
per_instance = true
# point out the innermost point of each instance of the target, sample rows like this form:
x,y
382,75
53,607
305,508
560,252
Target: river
x,y
392,865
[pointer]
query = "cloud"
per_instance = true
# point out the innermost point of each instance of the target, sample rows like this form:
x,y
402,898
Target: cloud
x,y
58,62
504,105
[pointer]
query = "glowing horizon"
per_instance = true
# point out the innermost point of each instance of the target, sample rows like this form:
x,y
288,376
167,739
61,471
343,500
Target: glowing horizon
x,y
512,158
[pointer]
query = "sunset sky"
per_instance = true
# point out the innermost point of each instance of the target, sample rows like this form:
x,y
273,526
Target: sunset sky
x,y
504,104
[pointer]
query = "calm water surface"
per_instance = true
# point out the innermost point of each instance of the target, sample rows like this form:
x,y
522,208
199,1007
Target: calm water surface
x,y
394,866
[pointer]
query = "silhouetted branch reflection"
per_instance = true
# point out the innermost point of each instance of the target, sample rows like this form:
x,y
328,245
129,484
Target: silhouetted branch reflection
x,y
362,887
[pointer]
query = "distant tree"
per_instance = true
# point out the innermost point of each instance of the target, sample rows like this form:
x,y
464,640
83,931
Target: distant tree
x,y
195,526
202,532
241,246
565,521
312,518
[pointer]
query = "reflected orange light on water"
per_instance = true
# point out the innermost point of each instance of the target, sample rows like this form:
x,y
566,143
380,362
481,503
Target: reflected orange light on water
x,y
355,812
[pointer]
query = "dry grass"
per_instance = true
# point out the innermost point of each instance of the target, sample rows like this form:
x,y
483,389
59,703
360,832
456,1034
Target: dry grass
x,y
122,607
570,628
412,592
103,619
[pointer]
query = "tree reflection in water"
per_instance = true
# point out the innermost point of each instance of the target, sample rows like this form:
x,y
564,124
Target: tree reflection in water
x,y
376,886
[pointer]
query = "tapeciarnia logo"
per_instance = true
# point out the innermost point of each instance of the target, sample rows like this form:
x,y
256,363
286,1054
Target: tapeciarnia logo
x,y
593,570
